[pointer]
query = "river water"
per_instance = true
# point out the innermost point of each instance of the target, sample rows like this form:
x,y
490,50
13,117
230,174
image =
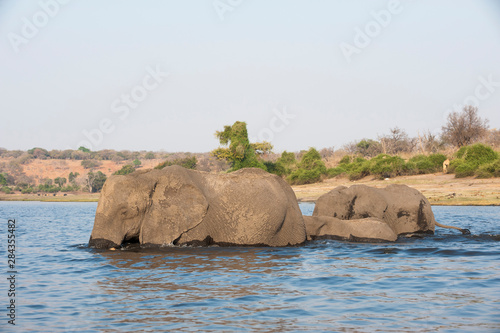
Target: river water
x,y
446,282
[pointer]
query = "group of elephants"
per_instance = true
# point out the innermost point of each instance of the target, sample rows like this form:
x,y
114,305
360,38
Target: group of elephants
x,y
249,207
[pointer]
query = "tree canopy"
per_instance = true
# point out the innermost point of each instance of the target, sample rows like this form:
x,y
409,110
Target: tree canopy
x,y
240,153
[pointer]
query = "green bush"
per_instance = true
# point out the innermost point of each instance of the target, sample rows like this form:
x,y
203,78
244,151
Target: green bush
x,y
271,167
427,164
6,190
125,170
477,154
285,164
3,180
454,164
465,170
188,163
310,169
360,171
437,160
386,166
333,172
410,168
48,188
303,176
345,160
27,190
473,160
489,170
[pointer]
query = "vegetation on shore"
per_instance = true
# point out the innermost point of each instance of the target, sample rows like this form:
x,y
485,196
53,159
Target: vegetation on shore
x,y
465,141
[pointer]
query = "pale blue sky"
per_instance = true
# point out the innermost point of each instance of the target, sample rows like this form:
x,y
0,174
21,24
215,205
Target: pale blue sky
x,y
264,57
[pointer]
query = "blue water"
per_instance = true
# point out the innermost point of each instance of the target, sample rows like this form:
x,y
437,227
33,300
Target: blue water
x,y
446,282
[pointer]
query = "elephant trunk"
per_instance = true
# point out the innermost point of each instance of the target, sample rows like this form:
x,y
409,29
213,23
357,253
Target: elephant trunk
x,y
463,231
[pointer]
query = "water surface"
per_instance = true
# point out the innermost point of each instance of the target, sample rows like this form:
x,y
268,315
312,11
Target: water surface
x,y
447,282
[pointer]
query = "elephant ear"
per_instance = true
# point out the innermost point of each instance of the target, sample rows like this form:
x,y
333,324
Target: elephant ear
x,y
175,209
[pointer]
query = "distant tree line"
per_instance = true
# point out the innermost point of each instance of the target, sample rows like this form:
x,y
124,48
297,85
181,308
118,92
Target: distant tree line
x,y
465,139
81,153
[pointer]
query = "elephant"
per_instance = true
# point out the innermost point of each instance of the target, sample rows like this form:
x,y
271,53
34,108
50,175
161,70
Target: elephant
x,y
177,206
404,209
369,229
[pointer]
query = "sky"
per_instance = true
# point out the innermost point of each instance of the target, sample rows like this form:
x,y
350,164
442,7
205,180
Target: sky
x,y
165,75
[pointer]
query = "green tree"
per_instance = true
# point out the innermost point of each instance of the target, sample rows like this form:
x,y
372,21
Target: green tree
x,y
72,176
60,181
285,164
239,152
83,149
95,181
137,163
3,180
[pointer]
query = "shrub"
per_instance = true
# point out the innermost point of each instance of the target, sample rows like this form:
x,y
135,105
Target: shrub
x,y
333,172
477,154
27,190
271,167
427,164
6,190
454,164
125,170
386,166
410,168
360,171
188,163
303,176
285,164
465,170
489,170
345,160
68,188
310,169
437,160
471,158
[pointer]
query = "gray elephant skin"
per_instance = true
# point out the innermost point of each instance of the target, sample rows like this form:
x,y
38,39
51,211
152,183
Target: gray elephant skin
x,y
176,206
363,213
403,208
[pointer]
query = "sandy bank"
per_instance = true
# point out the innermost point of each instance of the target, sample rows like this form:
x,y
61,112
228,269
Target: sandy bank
x,y
438,188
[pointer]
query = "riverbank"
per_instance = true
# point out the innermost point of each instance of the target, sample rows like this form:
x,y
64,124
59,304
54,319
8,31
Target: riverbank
x,y
439,189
